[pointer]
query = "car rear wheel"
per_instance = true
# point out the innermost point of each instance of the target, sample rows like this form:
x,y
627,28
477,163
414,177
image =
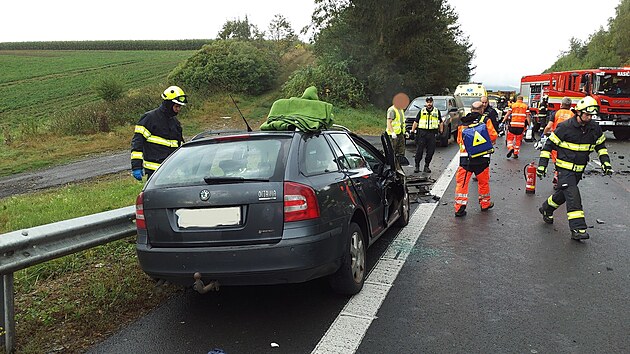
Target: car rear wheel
x,y
350,276
403,220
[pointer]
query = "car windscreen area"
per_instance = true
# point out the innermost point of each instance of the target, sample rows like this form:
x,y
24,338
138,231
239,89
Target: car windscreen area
x,y
258,159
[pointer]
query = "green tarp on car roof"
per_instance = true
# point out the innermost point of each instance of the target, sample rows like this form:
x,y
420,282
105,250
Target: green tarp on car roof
x,y
306,113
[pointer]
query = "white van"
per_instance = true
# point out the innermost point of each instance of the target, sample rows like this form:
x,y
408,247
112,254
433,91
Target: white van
x,y
470,89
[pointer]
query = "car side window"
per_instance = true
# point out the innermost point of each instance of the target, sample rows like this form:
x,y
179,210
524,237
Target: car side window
x,y
372,159
317,157
348,154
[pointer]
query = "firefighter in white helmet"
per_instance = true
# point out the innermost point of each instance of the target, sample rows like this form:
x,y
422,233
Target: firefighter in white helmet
x,y
574,140
157,134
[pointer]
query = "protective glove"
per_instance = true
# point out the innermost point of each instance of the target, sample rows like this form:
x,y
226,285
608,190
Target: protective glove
x,y
607,167
541,171
137,174
393,135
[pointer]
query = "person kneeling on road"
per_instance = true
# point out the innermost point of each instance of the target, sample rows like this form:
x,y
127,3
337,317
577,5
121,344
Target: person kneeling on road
x,y
476,137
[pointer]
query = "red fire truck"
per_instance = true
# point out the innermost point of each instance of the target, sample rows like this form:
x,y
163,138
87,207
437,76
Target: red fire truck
x,y
609,86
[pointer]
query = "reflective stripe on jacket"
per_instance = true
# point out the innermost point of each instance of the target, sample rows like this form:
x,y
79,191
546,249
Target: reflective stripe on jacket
x,y
519,114
155,137
429,120
574,143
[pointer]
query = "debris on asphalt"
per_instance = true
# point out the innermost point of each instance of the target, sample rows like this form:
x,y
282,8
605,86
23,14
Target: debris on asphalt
x,y
600,221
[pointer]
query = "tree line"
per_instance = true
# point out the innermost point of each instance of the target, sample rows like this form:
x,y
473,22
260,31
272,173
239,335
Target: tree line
x,y
606,47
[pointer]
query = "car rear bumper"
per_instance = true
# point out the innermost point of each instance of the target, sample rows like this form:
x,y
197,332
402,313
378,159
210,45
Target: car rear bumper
x,y
292,260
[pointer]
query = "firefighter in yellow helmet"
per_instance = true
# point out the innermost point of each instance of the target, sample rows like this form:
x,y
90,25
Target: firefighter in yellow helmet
x,y
574,140
157,134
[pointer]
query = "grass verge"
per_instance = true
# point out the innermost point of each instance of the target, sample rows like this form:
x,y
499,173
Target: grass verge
x,y
68,304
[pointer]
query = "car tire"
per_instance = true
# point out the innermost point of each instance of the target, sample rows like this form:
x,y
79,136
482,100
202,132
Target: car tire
x,y
349,278
404,211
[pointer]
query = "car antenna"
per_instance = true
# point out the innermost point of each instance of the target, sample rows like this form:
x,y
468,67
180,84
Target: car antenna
x,y
249,129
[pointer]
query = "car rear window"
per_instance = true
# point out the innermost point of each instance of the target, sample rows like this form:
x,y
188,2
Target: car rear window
x,y
247,158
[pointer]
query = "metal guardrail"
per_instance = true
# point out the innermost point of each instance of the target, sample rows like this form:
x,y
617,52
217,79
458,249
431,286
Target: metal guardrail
x,y
28,247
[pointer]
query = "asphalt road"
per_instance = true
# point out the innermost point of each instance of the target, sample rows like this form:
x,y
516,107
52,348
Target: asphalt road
x,y
499,281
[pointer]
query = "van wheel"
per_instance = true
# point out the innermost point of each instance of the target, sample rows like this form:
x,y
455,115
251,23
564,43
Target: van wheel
x,y
403,220
349,278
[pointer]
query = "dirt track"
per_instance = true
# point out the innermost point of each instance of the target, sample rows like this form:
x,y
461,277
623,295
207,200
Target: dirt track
x,y
60,175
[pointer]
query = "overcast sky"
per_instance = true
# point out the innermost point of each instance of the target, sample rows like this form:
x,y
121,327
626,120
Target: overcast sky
x,y
511,39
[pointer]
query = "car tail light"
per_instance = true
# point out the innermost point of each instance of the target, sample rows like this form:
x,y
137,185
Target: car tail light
x,y
140,224
300,202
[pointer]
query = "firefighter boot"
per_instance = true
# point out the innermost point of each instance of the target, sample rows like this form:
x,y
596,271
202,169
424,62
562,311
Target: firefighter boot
x,y
461,211
547,216
579,234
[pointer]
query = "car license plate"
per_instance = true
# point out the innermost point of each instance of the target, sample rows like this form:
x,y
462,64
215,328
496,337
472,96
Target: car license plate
x,y
209,217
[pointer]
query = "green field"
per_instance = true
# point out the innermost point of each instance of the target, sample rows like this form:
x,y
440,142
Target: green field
x,y
35,83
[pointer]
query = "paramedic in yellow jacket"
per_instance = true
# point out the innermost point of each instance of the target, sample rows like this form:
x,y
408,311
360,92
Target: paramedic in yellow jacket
x,y
396,122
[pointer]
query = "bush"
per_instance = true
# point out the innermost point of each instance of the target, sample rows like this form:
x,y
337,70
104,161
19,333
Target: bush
x,y
109,88
334,84
228,65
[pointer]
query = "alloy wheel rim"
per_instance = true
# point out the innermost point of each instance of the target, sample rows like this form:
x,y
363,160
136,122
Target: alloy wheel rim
x,y
357,252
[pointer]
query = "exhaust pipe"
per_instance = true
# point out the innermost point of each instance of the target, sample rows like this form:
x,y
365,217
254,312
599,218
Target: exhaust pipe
x,y
202,288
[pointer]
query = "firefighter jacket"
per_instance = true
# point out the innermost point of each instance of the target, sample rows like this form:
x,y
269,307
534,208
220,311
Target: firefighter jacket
x,y
519,112
574,143
429,120
561,115
398,119
543,110
156,136
464,160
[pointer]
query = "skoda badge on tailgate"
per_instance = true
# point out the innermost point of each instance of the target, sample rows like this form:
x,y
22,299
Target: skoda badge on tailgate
x,y
204,194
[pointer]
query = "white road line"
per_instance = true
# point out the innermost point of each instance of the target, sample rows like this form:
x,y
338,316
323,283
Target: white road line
x,y
347,331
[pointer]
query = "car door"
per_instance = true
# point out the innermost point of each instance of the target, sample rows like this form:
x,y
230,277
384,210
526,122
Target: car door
x,y
364,180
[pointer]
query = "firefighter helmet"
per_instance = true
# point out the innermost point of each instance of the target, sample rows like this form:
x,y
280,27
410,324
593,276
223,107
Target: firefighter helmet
x,y
588,104
175,94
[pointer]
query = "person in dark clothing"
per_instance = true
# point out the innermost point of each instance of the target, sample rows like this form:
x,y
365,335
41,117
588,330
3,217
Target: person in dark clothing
x,y
490,112
426,125
157,134
574,140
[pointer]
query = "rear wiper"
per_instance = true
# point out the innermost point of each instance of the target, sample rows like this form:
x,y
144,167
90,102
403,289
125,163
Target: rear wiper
x,y
218,180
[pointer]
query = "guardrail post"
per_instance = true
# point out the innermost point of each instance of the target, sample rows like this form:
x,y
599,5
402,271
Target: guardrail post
x,y
7,329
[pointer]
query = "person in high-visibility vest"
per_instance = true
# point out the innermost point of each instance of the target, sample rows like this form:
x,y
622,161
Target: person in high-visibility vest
x,y
396,122
518,116
574,140
425,126
157,134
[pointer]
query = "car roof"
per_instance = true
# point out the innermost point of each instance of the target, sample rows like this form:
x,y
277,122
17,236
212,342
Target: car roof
x,y
213,134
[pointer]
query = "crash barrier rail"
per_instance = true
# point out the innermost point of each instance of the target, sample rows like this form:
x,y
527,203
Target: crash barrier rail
x,y
28,247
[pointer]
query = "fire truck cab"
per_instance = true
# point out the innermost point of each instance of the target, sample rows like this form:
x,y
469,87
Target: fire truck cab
x,y
609,86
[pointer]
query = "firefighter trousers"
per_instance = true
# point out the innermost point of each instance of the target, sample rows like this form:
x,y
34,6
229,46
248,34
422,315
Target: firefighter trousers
x,y
568,192
483,186
425,139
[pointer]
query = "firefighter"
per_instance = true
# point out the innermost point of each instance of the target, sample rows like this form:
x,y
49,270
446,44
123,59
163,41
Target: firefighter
x,y
157,134
561,115
396,122
573,139
541,117
518,115
427,123
468,165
